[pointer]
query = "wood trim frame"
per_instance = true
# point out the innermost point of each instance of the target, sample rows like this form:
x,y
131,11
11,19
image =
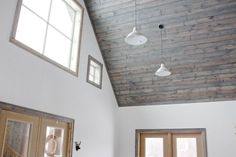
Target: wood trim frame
x,y
202,132
34,52
88,69
199,142
165,137
32,112
33,121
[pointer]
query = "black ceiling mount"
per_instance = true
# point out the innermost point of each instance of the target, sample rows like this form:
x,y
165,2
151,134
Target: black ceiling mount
x,y
161,26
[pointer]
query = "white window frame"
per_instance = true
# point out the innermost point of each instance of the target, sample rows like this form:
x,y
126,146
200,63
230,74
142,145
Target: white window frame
x,y
36,53
90,58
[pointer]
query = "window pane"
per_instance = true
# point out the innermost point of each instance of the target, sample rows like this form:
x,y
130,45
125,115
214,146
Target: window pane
x,y
76,37
94,64
91,70
54,142
57,47
73,5
97,75
186,147
97,72
91,77
97,80
31,30
40,7
66,17
17,138
154,147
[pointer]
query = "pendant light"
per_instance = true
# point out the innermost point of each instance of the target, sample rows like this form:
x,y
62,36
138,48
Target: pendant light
x,y
135,38
162,71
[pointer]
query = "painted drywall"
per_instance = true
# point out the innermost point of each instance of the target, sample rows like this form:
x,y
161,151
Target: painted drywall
x,y
29,81
219,119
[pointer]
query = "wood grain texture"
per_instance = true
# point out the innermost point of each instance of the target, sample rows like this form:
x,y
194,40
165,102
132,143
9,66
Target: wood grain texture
x,y
199,48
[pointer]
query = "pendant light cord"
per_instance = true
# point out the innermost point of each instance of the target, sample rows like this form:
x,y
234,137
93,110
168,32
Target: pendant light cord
x,y
161,27
135,14
161,43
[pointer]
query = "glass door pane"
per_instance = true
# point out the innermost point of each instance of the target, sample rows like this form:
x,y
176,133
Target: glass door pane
x,y
186,147
54,138
54,142
17,136
154,147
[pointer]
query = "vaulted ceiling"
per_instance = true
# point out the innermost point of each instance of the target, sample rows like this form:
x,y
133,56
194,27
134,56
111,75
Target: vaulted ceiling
x,y
199,48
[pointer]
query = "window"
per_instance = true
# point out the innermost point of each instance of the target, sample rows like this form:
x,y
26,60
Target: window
x,y
171,143
94,73
51,29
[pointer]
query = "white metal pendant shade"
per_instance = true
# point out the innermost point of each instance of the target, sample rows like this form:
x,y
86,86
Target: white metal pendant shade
x,y
135,38
162,71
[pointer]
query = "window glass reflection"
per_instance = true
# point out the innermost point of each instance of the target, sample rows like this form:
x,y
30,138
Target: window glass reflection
x,y
186,147
154,147
54,142
95,72
17,136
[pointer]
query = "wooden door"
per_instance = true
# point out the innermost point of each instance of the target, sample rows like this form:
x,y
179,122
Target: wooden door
x,y
54,138
171,143
154,144
18,134
185,145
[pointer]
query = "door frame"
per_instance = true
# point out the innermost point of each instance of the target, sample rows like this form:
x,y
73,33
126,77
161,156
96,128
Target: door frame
x,y
201,131
43,115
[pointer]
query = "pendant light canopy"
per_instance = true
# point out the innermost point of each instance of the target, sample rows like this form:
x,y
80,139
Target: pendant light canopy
x,y
135,38
162,71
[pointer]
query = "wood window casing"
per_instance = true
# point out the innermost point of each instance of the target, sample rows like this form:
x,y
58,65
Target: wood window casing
x,y
77,42
99,84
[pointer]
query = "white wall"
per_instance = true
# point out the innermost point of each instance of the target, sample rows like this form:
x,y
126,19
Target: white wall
x,y
29,81
219,119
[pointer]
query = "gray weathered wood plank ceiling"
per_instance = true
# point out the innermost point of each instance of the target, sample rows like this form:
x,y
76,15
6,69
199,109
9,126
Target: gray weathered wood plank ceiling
x,y
199,48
